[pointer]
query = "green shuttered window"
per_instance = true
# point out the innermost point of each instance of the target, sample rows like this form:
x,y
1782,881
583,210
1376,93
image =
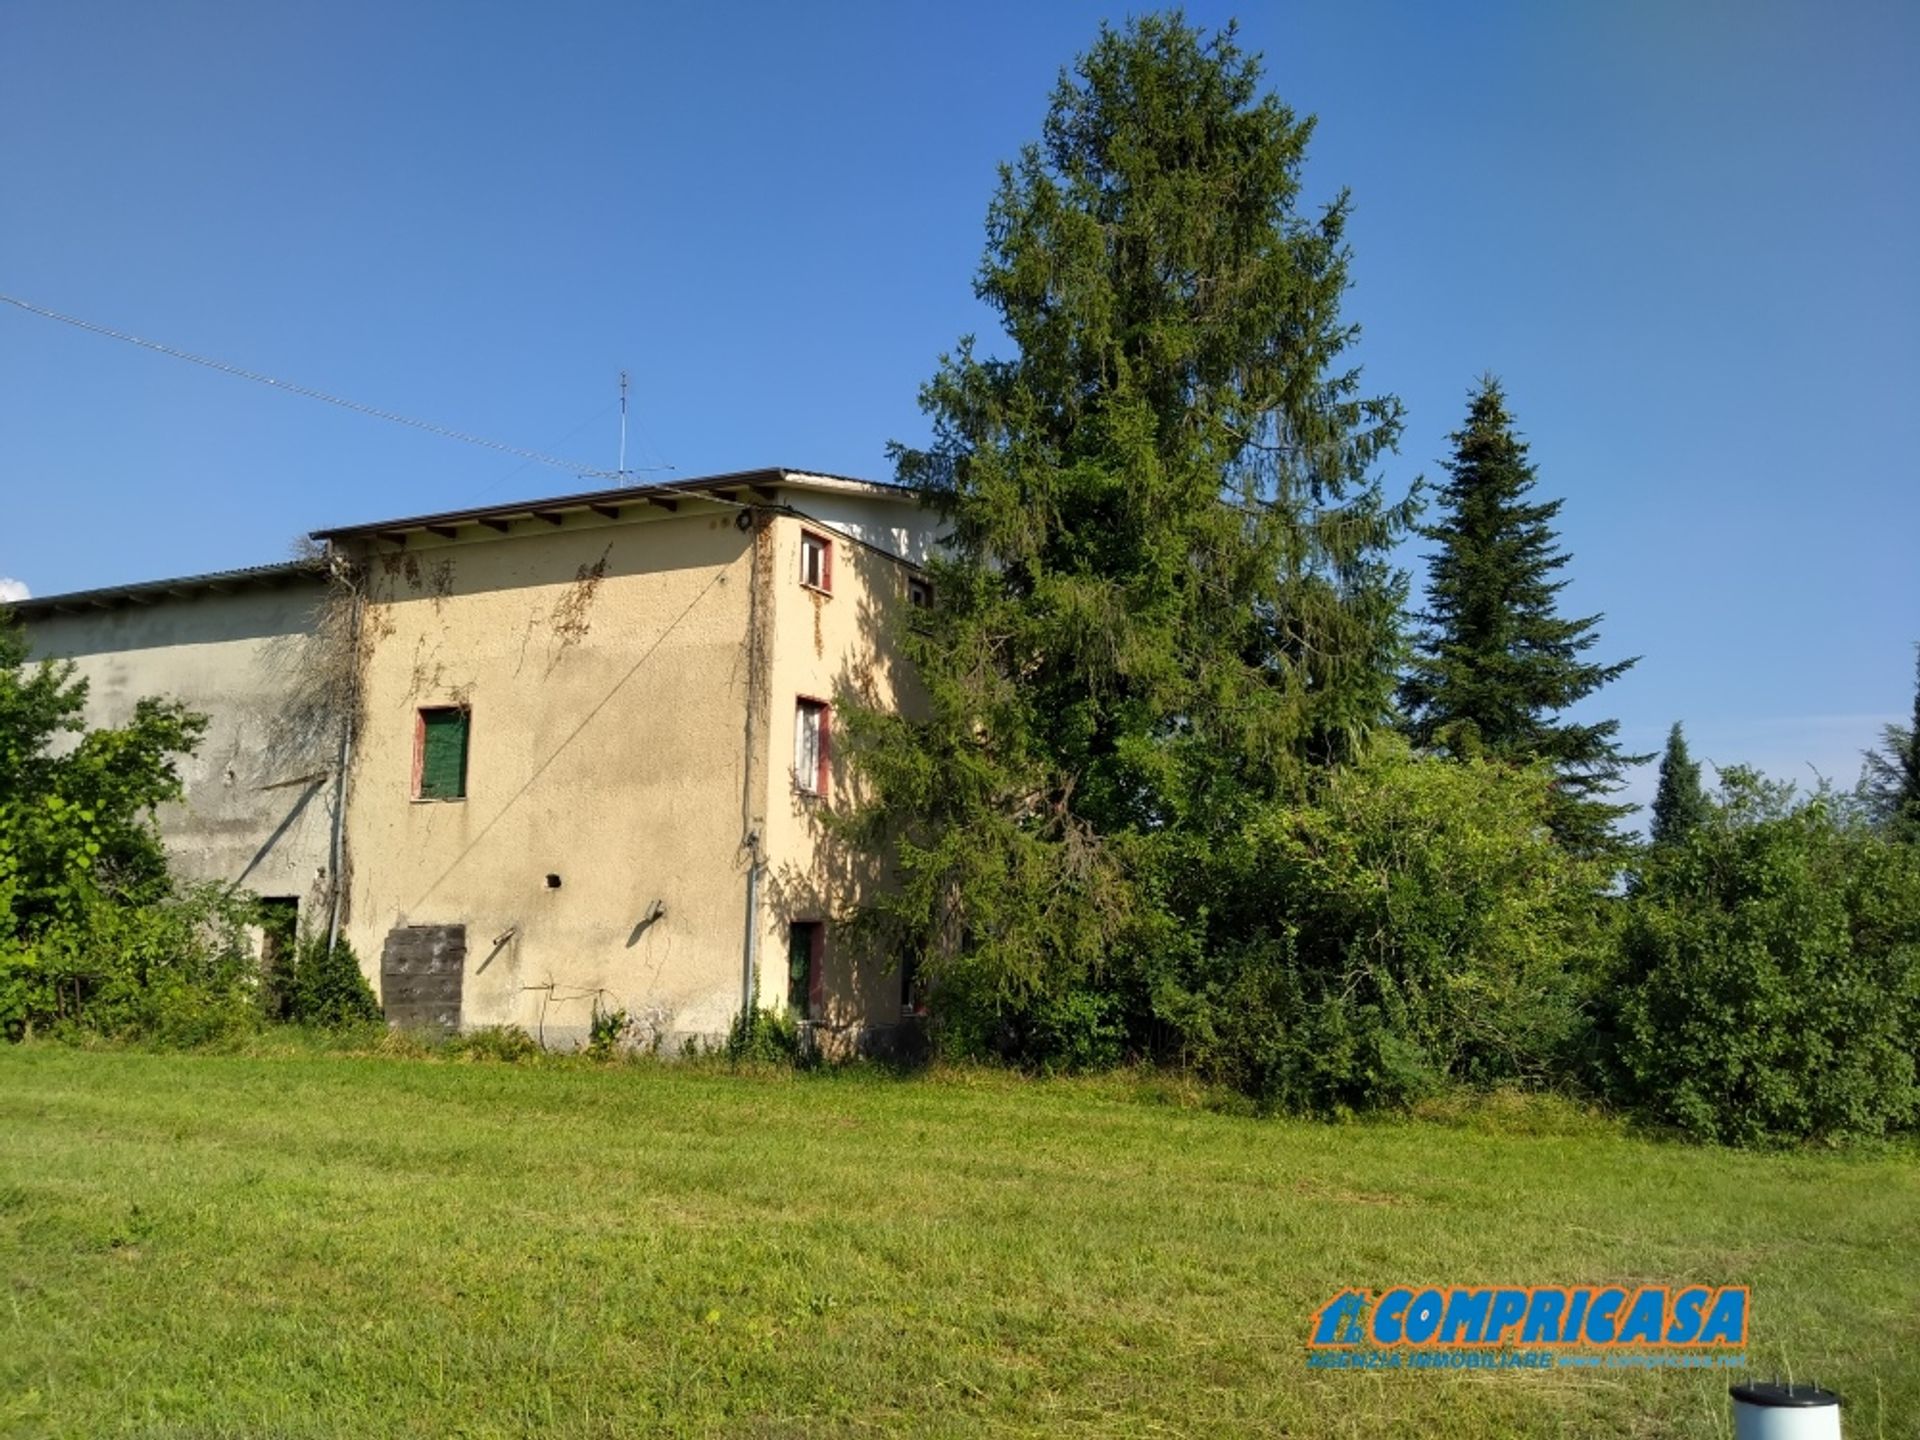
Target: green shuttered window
x,y
442,770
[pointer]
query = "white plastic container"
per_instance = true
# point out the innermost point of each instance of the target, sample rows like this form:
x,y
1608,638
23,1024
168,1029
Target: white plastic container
x,y
1777,1410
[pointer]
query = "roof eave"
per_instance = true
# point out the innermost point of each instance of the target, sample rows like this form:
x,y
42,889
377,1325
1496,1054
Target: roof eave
x,y
737,487
149,592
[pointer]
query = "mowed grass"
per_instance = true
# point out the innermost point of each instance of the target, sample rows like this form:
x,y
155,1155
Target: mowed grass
x,y
202,1245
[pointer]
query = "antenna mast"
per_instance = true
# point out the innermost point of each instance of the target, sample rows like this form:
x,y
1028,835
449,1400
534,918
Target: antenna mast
x,y
623,425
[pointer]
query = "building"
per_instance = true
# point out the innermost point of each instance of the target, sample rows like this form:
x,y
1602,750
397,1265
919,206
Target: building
x,y
578,749
593,743
248,649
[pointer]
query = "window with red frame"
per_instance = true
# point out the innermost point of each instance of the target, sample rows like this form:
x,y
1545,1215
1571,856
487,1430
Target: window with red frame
x,y
440,753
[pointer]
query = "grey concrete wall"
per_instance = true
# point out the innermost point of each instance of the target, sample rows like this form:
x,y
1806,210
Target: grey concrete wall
x,y
260,792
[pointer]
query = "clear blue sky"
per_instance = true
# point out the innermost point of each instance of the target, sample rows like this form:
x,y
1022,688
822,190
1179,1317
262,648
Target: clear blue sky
x,y
1686,236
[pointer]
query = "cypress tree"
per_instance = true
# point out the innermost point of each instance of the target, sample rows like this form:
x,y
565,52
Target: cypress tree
x,y
1496,665
1165,592
1680,803
1890,783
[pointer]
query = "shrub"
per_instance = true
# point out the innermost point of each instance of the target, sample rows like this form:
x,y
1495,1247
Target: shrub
x,y
92,935
178,970
606,1032
1076,1027
1415,929
1769,984
767,1037
327,986
508,1043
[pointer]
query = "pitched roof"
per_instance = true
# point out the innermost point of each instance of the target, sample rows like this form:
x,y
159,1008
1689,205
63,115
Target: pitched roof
x,y
146,592
742,486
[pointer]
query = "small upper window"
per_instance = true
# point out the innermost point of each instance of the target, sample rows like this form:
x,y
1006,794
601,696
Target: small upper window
x,y
816,561
919,591
810,741
440,754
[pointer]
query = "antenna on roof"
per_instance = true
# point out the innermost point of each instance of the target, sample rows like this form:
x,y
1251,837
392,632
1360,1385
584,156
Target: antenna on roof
x,y
623,427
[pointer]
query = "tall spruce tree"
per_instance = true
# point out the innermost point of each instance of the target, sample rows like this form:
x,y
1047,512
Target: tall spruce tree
x,y
1496,665
1890,782
1165,593
1680,803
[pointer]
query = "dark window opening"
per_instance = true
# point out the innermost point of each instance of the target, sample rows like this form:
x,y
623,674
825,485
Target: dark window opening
x,y
913,993
920,592
279,917
805,985
440,754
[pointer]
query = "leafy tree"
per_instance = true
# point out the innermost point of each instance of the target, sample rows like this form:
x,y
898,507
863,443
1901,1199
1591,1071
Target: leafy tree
x,y
1680,803
1890,782
1416,927
89,930
1166,593
1770,981
76,823
1496,664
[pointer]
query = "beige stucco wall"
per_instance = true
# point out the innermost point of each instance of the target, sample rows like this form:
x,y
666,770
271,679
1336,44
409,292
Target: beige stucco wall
x,y
823,647
605,668
629,737
260,791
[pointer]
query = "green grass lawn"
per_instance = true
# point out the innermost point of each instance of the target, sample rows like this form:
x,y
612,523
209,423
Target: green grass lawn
x,y
206,1245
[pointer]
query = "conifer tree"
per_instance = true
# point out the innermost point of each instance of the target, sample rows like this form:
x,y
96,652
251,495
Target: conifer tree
x,y
1496,665
1680,803
1165,592
1890,783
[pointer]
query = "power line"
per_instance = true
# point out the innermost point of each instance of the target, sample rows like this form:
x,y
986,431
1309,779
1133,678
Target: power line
x,y
534,456
531,456
499,480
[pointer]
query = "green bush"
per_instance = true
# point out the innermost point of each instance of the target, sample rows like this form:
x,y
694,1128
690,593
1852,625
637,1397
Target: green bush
x,y
1418,928
1077,1027
1413,929
607,1032
766,1037
92,934
177,970
1769,983
507,1043
326,986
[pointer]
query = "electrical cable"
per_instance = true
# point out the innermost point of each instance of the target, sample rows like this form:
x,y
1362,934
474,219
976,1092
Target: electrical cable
x,y
534,456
